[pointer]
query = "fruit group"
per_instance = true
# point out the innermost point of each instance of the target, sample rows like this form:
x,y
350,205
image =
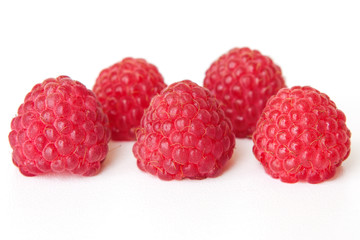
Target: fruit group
x,y
125,90
243,80
59,127
184,134
301,135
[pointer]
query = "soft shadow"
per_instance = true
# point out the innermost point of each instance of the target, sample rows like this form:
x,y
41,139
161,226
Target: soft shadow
x,y
240,151
115,152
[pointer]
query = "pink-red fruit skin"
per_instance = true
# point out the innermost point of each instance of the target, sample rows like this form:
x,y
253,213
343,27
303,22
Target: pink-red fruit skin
x,y
60,127
184,134
243,80
301,136
125,90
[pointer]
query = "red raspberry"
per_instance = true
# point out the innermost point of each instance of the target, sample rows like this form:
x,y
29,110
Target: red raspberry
x,y
184,134
243,80
125,90
60,126
301,135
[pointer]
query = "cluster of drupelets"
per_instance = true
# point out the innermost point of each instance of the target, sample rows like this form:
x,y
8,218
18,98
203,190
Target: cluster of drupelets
x,y
183,130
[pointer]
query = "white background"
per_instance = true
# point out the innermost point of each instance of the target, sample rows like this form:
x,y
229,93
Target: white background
x,y
315,42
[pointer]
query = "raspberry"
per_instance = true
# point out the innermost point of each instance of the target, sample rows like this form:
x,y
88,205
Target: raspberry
x,y
243,80
125,90
59,127
184,134
301,135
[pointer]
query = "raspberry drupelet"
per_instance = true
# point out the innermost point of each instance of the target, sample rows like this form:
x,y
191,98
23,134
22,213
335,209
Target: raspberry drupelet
x,y
243,80
125,90
301,135
184,134
59,127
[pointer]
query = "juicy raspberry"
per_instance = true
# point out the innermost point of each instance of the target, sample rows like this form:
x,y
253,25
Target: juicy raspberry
x,y
301,135
125,90
243,80
184,134
59,127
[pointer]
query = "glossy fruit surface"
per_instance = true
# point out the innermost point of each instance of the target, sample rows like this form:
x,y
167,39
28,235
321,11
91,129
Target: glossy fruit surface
x,y
301,135
184,134
243,80
125,90
59,127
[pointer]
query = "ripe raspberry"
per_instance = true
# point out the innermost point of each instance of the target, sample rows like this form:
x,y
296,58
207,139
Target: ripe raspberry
x,y
125,90
184,134
60,126
243,80
301,135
